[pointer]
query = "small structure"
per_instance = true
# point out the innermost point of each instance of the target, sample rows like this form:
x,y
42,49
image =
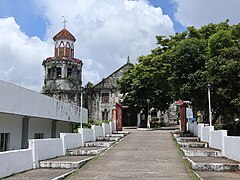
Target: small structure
x,y
63,72
183,117
25,114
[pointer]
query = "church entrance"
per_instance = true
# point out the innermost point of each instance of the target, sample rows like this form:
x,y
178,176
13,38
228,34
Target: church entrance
x,y
129,118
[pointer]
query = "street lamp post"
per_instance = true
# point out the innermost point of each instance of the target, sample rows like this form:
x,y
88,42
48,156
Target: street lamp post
x,y
148,117
209,104
81,105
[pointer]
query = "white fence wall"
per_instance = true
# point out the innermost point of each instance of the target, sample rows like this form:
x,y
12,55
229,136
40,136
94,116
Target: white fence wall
x,y
111,127
87,135
15,161
114,128
199,130
206,132
106,128
45,149
232,147
98,131
71,140
217,140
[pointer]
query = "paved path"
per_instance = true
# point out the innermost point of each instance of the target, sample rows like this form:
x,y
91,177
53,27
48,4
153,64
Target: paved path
x,y
142,155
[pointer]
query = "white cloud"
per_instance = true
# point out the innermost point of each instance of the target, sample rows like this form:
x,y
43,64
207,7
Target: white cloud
x,y
107,31
21,56
201,12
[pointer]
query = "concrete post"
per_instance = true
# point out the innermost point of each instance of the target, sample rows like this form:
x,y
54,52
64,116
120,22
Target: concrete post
x,y
25,124
54,127
138,120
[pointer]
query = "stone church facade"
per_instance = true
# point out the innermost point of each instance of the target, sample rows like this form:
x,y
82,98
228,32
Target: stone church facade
x,y
105,95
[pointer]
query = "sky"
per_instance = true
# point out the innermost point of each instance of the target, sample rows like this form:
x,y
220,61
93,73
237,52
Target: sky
x,y
107,32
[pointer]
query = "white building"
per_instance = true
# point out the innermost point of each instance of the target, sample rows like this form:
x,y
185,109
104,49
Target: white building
x,y
25,114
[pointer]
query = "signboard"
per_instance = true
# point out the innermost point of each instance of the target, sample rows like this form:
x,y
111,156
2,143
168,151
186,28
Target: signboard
x,y
118,117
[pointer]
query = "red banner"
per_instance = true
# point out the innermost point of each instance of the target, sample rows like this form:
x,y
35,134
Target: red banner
x,y
119,117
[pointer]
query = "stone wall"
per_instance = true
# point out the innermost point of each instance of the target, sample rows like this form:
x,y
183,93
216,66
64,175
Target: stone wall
x,y
108,85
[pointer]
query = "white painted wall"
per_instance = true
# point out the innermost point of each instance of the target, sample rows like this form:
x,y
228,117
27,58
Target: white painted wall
x,y
106,128
18,100
199,131
12,124
15,161
97,131
191,126
62,127
45,149
71,140
111,127
87,135
217,140
114,126
38,125
206,132
232,147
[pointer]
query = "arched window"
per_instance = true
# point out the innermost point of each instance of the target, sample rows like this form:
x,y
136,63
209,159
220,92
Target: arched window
x,y
61,44
105,114
68,49
61,49
68,45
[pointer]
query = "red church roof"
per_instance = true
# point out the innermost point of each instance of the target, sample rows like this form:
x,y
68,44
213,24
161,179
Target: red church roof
x,y
64,34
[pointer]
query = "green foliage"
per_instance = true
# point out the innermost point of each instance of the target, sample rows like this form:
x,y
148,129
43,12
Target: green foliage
x,y
94,122
182,66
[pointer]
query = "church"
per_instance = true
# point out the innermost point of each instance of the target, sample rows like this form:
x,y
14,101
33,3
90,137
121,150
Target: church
x,y
104,97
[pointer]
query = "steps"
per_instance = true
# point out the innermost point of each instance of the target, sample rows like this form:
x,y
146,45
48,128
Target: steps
x,y
201,152
193,144
213,164
77,157
110,138
206,161
85,151
99,144
65,162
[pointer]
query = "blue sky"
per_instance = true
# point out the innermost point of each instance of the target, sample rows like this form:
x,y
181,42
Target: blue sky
x,y
34,23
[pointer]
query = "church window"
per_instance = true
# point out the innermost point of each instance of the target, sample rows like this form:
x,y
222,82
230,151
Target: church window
x,y
68,49
49,74
59,73
105,97
69,72
62,44
68,45
105,114
61,49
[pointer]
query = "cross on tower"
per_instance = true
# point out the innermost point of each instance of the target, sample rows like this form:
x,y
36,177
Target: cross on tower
x,y
64,21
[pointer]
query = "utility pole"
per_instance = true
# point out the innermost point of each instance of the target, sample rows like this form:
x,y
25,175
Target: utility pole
x,y
209,104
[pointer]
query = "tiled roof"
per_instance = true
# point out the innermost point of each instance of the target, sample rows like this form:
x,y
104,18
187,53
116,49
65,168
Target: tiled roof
x,y
61,59
64,34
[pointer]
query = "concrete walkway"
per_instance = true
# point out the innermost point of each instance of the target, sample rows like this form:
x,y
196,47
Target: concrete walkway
x,y
140,155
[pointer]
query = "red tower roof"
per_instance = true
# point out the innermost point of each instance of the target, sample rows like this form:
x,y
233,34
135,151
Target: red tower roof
x,y
64,34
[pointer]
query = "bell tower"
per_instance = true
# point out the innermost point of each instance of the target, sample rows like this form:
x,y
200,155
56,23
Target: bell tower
x,y
63,72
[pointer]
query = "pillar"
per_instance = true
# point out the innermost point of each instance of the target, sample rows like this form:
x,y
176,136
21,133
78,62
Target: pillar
x,y
54,127
25,125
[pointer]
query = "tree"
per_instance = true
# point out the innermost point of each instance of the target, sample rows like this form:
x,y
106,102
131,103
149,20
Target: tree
x,y
181,67
146,85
